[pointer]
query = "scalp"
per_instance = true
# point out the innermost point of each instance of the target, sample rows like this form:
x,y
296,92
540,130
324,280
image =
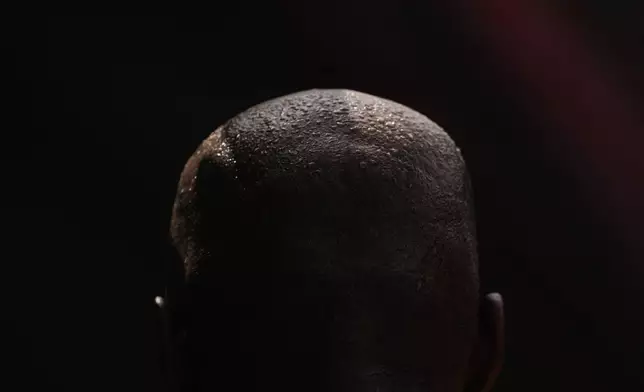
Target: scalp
x,y
322,165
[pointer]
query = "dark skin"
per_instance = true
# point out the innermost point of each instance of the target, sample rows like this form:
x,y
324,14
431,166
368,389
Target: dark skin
x,y
379,294
485,365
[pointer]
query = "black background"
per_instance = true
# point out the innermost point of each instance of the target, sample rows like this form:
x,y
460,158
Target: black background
x,y
102,113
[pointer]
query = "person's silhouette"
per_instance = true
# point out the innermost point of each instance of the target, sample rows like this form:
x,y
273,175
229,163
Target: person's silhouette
x,y
328,241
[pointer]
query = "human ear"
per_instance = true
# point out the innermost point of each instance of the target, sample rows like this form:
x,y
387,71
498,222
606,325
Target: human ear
x,y
487,357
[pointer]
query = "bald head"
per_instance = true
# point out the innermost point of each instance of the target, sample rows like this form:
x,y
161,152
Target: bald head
x,y
334,231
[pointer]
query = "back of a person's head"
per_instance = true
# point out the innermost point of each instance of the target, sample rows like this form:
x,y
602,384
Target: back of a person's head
x,y
328,241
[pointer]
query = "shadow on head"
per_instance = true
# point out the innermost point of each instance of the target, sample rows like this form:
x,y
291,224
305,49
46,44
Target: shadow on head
x,y
328,241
